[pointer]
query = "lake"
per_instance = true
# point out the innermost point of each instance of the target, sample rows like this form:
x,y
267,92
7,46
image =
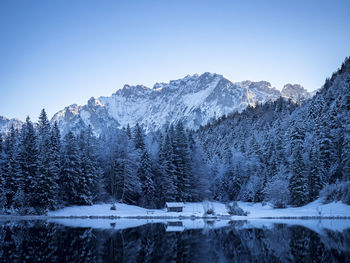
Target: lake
x,y
137,240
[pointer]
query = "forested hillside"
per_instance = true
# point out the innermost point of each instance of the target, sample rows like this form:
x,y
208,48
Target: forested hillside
x,y
283,153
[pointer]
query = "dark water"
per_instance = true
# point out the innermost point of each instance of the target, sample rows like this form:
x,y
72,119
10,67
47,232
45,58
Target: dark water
x,y
41,241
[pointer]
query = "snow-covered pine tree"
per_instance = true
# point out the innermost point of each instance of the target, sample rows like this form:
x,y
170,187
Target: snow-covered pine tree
x,y
11,168
70,170
145,172
139,138
298,183
315,183
182,164
124,182
96,182
28,155
199,172
47,188
326,153
128,131
87,173
345,155
166,180
147,181
2,178
55,167
2,157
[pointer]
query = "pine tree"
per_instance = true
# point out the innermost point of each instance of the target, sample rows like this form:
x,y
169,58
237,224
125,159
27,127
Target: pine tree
x,y
55,146
47,188
2,177
95,181
139,138
29,177
345,154
11,171
70,170
298,182
124,180
182,164
147,181
166,181
126,186
315,183
199,172
86,175
326,153
229,187
128,131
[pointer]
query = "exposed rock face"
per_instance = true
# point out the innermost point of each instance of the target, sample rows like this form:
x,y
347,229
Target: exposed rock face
x,y
296,93
194,100
6,124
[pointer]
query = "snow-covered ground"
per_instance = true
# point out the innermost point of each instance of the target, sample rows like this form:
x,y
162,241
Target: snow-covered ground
x,y
123,210
313,209
257,210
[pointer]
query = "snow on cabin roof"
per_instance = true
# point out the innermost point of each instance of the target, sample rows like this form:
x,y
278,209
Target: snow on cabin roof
x,y
174,204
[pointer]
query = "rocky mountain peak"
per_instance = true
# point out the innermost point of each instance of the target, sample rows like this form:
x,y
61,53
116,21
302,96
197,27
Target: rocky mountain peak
x,y
295,92
194,100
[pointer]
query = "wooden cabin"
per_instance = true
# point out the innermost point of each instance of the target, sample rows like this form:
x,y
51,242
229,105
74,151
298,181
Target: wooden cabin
x,y
174,206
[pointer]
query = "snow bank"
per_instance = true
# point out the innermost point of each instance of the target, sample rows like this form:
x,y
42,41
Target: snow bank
x,y
192,217
313,209
123,210
257,210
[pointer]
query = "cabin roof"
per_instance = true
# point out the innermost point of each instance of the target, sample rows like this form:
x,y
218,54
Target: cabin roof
x,y
174,204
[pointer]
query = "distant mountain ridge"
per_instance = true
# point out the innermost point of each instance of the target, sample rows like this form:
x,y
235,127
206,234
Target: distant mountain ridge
x,y
194,100
6,124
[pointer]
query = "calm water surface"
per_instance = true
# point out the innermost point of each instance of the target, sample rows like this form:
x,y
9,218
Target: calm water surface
x,y
134,241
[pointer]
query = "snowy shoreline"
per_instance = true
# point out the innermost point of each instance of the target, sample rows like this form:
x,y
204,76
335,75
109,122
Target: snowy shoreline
x,y
229,218
182,224
314,210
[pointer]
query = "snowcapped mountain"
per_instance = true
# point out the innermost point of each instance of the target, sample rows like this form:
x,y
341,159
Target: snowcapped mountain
x,y
5,124
296,93
194,100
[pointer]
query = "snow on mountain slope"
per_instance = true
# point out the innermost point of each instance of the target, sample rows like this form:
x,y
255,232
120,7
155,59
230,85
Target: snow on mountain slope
x,y
296,93
194,100
6,124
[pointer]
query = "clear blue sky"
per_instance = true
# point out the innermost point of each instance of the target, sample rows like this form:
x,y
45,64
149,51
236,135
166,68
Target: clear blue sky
x,y
59,52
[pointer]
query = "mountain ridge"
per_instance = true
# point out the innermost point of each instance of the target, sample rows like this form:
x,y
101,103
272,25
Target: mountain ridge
x,y
194,100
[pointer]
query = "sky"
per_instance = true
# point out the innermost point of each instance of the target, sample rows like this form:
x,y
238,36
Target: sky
x,y
60,52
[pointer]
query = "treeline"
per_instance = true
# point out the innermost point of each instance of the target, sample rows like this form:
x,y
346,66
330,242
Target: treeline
x,y
283,153
41,171
150,170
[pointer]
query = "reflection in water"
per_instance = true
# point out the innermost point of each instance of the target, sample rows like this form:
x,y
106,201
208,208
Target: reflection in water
x,y
40,241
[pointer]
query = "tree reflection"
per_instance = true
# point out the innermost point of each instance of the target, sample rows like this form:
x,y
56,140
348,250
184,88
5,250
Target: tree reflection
x,y
39,241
